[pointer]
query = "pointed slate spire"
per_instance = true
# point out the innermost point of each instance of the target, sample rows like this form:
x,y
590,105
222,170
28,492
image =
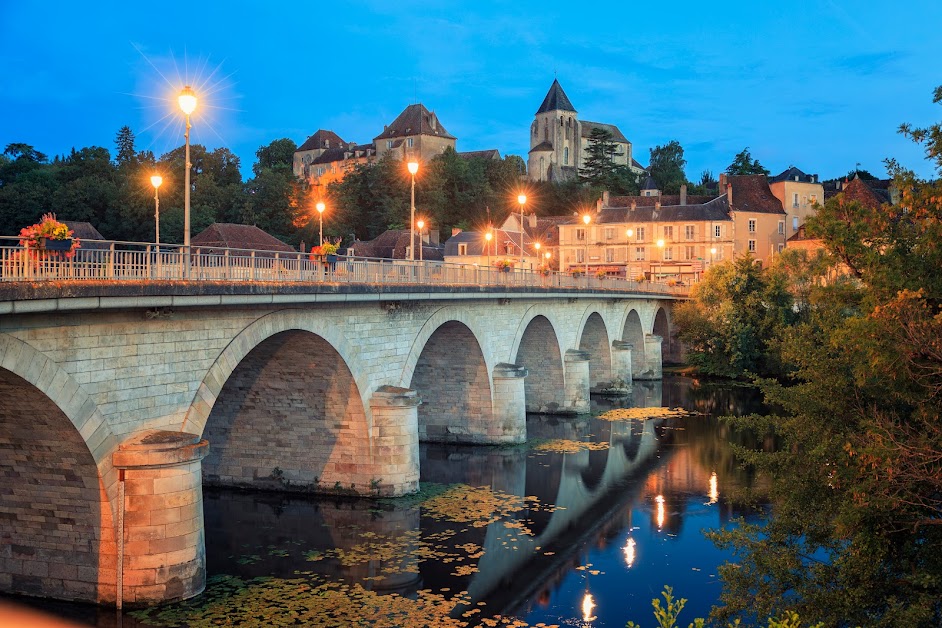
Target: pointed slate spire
x,y
556,99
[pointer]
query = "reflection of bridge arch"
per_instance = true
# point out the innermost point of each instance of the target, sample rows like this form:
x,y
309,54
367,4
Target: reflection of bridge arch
x,y
59,524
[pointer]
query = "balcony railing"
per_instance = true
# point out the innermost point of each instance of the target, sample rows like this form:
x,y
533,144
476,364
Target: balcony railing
x,y
101,260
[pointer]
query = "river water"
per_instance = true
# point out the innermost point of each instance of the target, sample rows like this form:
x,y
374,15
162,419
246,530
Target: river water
x,y
583,538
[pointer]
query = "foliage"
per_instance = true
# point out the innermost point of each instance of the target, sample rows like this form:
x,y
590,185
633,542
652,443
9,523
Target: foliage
x,y
731,316
667,167
599,169
327,248
856,532
743,163
504,264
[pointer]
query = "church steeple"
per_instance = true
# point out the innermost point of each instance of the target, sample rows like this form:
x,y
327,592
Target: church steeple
x,y
556,100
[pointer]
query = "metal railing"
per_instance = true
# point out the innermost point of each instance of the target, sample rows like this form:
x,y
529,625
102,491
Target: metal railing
x,y
106,260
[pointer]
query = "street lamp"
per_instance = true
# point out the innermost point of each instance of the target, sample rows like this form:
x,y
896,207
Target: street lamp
x,y
587,219
660,245
156,180
522,199
712,253
413,168
421,226
487,247
320,211
187,102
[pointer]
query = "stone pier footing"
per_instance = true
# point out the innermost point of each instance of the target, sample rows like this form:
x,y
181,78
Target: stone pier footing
x,y
577,381
164,547
395,441
509,405
652,358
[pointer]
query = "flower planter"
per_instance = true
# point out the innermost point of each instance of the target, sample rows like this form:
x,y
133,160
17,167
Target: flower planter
x,y
504,269
55,245
331,258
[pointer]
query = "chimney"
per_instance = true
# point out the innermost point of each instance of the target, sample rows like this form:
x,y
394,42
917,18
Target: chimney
x,y
657,206
605,198
683,194
722,182
532,220
455,231
729,194
634,205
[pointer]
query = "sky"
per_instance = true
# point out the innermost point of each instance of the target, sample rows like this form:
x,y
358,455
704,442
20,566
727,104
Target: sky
x,y
819,84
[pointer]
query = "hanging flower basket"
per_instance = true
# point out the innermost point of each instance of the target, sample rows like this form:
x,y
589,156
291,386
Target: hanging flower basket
x,y
48,244
48,235
504,265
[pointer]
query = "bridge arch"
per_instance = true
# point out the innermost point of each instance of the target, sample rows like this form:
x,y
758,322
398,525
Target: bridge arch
x,y
662,327
54,464
594,339
537,348
633,332
453,380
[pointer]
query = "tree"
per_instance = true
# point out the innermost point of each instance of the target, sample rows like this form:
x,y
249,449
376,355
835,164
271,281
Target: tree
x,y
856,532
667,167
18,150
124,141
743,163
278,155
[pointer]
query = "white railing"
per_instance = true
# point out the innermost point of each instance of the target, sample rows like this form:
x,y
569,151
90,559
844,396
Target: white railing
x,y
101,260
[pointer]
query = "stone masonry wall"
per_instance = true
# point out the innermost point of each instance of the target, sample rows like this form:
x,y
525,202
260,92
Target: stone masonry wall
x,y
539,354
50,503
452,381
595,341
290,416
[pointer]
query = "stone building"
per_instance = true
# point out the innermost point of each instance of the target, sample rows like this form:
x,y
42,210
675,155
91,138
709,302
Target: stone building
x,y
798,193
558,140
675,236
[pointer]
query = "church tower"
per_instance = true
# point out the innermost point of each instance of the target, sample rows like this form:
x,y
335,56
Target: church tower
x,y
554,138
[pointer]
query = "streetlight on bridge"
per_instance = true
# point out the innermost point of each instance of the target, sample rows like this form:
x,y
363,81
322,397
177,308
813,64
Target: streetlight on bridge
x,y
487,247
421,226
320,212
586,219
522,199
187,101
413,168
156,180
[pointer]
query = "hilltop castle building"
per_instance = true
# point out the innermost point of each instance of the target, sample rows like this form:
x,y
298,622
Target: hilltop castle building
x,y
558,140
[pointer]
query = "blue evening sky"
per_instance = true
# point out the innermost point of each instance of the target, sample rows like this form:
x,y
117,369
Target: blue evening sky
x,y
821,84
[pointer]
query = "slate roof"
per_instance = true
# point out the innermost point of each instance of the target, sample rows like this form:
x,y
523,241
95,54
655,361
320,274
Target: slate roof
x,y
322,139
789,175
227,235
330,155
415,120
663,199
393,244
715,210
649,184
751,193
542,146
556,99
611,128
86,232
476,243
492,153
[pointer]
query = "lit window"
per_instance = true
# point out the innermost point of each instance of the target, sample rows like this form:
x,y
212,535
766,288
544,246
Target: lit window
x,y
752,246
752,226
814,199
462,249
639,253
669,253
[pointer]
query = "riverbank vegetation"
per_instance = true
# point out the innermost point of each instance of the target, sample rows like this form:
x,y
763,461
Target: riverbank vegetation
x,y
848,345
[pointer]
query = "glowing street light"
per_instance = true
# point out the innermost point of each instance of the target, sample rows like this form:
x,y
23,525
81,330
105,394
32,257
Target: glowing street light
x,y
421,226
712,253
156,180
320,207
187,101
413,168
487,247
586,218
522,199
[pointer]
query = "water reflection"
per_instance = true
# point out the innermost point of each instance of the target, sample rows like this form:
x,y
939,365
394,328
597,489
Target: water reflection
x,y
569,519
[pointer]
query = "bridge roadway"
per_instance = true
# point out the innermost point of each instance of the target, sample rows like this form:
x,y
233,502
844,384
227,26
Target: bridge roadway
x,y
119,400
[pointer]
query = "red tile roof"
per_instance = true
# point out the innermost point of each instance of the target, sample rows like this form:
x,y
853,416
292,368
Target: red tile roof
x,y
858,190
751,193
322,139
415,120
227,235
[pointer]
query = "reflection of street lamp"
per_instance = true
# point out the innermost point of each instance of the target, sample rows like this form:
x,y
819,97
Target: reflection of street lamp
x,y
522,199
320,211
187,101
413,168
421,226
487,246
156,180
587,219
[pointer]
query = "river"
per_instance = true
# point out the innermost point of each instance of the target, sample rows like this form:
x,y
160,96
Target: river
x,y
582,526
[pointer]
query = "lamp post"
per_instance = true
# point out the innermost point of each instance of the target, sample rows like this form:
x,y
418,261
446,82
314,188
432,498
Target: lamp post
x,y
187,102
320,214
587,219
712,253
156,180
522,199
413,168
628,234
487,247
421,226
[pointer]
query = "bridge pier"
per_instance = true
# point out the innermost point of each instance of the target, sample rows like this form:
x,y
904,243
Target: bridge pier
x,y
510,407
652,358
577,381
621,364
162,540
395,441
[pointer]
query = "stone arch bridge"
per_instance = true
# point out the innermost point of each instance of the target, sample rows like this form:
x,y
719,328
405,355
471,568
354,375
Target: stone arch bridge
x,y
118,403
